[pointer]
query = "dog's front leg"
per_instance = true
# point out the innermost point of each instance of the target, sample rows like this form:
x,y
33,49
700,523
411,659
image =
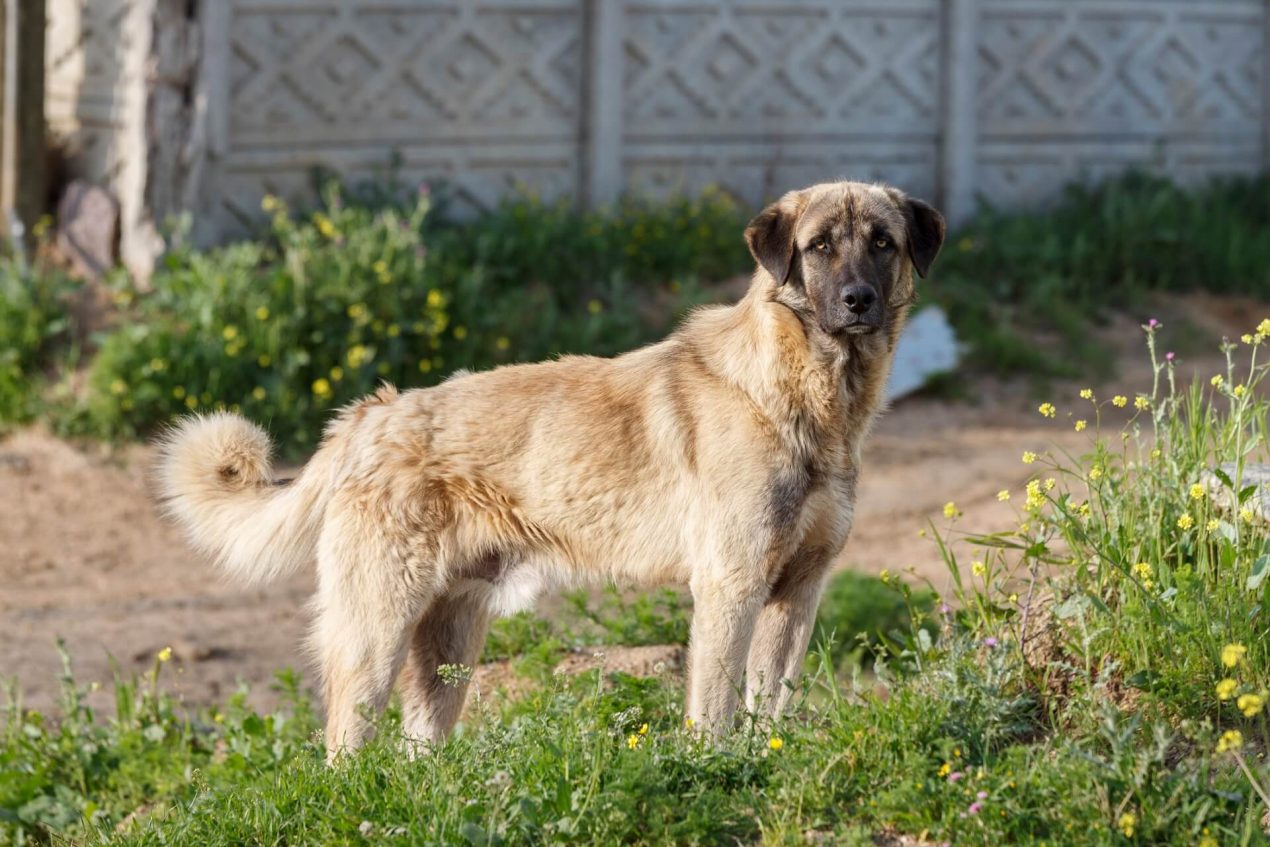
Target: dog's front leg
x,y
782,632
724,612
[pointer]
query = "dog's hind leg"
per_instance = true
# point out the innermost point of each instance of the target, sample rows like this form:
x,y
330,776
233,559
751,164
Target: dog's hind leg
x,y
724,613
782,632
370,592
451,632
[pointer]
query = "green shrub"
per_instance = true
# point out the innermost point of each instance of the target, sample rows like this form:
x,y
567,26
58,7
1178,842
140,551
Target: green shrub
x,y
32,317
290,327
1008,279
858,614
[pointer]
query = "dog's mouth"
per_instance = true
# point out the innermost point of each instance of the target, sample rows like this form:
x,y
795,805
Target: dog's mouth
x,y
861,329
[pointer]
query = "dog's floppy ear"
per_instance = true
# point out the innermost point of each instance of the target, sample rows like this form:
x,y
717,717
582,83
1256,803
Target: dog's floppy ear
x,y
926,230
771,239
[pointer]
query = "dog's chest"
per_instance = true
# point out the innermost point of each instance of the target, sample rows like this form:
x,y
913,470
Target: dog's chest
x,y
807,493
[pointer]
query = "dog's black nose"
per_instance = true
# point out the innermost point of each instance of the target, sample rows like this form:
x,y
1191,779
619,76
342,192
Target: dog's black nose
x,y
859,298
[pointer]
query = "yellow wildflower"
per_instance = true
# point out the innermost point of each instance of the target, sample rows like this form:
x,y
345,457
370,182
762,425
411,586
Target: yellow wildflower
x,y
324,226
1239,390
178,392
643,730
1047,410
885,576
337,373
775,743
118,387
1141,403
230,332
1185,522
322,387
688,723
1246,338
269,203
1217,381
1003,495
1120,401
435,298
1028,457
1197,491
1264,327
1212,524
632,742
502,342
950,510
1250,704
262,313
1142,570
460,332
425,365
264,360
1231,739
258,393
1086,394
1013,598
1233,654
1226,688
1080,425
1127,822
978,569
1095,473
944,769
1246,515
165,654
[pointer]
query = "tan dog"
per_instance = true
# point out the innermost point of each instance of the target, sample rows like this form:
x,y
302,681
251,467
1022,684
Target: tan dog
x,y
724,458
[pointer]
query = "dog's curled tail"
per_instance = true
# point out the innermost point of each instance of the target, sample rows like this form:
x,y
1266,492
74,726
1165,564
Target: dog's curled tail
x,y
215,478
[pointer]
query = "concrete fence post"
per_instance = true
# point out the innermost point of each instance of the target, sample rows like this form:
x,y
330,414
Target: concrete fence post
x,y
959,136
1265,86
602,112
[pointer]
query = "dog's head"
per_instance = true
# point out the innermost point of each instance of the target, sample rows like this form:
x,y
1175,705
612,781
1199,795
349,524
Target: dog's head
x,y
840,253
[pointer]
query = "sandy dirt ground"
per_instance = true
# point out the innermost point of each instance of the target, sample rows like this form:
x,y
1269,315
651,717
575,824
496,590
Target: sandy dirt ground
x,y
85,558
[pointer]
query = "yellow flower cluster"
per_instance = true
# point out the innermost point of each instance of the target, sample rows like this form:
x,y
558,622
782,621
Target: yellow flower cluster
x,y
1263,331
1233,654
1035,499
950,510
1231,739
1128,821
1047,410
1120,401
1144,572
1185,522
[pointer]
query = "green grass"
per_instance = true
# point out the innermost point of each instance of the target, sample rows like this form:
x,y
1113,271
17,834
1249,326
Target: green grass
x,y
1008,279
1126,706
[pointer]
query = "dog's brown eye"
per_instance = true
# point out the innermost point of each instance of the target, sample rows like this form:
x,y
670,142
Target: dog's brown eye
x,y
820,245
881,243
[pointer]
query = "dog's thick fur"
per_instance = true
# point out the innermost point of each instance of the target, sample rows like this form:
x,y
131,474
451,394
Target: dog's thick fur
x,y
724,457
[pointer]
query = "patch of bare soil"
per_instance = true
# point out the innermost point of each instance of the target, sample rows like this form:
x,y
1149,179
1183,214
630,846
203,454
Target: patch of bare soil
x,y
84,556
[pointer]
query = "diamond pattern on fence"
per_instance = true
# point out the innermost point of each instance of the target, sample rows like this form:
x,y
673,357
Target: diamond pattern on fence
x,y
1088,88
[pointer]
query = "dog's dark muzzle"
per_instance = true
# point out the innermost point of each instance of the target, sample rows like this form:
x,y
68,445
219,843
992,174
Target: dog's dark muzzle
x,y
863,311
